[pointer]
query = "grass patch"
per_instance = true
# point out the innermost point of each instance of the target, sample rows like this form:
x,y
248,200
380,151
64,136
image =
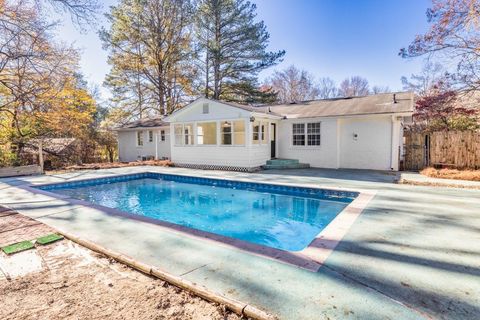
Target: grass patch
x,y
49,238
455,174
18,247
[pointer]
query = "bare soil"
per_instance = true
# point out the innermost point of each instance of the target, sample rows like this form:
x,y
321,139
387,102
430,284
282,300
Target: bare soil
x,y
109,165
77,283
471,175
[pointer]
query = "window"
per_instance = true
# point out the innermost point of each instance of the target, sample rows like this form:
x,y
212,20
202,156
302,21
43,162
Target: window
x,y
306,134
178,128
256,132
264,131
206,133
139,138
239,132
183,134
188,133
150,136
226,132
298,132
313,134
205,108
162,135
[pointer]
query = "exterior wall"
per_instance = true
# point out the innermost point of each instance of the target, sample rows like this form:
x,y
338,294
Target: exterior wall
x,y
129,151
376,146
246,156
372,148
322,156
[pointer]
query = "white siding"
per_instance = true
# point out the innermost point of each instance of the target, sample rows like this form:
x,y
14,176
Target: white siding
x,y
247,156
372,148
323,156
129,151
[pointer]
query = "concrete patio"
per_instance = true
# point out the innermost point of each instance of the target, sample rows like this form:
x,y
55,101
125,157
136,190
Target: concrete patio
x,y
414,253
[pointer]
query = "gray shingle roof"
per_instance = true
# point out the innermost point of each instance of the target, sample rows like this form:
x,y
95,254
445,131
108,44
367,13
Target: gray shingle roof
x,y
374,104
144,123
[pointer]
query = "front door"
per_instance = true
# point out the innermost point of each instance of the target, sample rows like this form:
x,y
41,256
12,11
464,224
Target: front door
x,y
273,134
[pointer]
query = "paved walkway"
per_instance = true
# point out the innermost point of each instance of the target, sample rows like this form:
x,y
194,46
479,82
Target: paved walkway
x,y
412,254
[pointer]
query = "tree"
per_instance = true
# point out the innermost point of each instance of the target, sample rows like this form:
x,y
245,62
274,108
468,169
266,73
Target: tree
x,y
39,92
327,88
453,35
354,86
293,84
149,45
380,89
442,109
431,75
232,50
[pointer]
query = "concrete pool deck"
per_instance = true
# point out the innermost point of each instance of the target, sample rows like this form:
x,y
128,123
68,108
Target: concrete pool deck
x,y
413,253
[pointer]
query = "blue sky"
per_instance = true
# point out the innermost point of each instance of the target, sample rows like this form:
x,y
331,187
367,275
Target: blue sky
x,y
334,38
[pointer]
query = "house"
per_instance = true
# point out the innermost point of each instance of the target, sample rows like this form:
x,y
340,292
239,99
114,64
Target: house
x,y
144,139
356,132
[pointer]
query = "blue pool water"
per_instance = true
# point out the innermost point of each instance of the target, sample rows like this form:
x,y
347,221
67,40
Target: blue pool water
x,y
276,216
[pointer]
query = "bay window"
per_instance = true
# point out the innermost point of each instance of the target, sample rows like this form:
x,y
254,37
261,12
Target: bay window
x,y
226,128
239,132
183,134
206,133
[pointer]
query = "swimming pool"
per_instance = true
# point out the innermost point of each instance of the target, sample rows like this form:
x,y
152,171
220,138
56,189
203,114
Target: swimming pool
x,y
277,216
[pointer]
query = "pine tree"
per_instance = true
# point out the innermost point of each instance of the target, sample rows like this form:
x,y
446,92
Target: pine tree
x,y
232,50
149,45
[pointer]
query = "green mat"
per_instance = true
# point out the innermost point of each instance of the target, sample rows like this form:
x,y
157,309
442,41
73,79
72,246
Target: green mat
x,y
49,239
18,247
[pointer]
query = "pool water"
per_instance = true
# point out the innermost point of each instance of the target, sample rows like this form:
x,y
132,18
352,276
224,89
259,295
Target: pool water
x,y
283,219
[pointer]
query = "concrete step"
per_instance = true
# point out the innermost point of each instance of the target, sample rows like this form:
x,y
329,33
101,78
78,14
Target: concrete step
x,y
278,162
286,166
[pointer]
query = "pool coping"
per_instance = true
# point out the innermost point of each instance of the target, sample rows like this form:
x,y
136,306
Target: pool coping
x,y
311,258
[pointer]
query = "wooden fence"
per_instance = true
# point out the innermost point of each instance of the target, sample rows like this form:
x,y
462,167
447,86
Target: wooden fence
x,y
455,149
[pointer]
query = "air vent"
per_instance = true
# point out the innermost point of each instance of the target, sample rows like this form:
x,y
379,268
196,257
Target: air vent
x,y
205,108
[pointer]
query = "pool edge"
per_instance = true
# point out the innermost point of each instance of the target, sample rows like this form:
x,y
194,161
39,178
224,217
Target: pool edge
x,y
310,258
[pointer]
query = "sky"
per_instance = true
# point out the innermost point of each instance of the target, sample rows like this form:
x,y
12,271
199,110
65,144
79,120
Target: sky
x,y
328,38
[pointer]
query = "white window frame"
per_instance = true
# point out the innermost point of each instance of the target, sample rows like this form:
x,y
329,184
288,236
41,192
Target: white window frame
x,y
162,135
313,131
183,134
297,133
139,138
307,132
234,131
150,135
216,133
222,134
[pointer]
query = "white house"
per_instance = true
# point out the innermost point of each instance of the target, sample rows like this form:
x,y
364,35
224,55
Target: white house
x,y
358,132
144,139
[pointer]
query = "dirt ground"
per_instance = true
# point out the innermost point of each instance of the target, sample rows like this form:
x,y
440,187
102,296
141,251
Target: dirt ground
x,y
73,282
472,175
109,165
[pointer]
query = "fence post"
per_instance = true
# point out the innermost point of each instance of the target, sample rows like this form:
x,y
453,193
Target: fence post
x,y
40,154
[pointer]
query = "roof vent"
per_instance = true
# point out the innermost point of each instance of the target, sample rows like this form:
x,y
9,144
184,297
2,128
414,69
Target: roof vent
x,y
395,98
205,108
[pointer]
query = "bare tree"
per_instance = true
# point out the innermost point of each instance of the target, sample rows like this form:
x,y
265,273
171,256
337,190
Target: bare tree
x,y
354,86
423,82
380,89
327,88
293,84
